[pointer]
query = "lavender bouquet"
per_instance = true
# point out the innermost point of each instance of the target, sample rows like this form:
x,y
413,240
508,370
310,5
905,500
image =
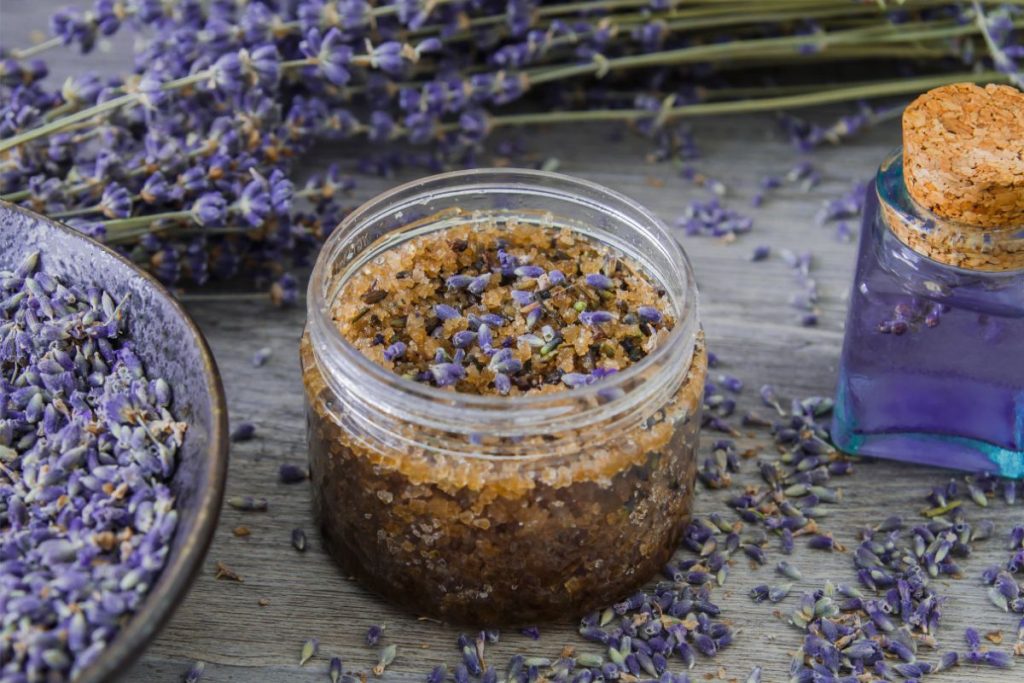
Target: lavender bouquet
x,y
186,163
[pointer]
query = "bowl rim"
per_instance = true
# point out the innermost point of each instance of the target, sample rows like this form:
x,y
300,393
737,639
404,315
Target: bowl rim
x,y
182,567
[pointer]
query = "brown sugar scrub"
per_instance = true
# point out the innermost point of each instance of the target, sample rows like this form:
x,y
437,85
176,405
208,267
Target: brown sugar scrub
x,y
504,374
506,309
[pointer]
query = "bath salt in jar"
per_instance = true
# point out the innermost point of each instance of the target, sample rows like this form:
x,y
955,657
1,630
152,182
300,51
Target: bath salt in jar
x,y
504,373
932,367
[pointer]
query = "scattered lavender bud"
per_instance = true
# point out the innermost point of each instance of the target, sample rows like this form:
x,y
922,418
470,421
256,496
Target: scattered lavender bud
x,y
823,542
733,384
779,593
243,432
334,669
386,657
299,539
438,674
809,319
260,358
761,253
531,632
309,650
373,634
599,281
248,503
289,473
195,672
788,570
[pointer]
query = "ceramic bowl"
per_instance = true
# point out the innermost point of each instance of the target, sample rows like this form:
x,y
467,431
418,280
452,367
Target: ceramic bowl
x,y
172,347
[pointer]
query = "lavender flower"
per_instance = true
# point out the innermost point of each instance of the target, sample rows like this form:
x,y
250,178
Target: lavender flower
x,y
210,209
116,202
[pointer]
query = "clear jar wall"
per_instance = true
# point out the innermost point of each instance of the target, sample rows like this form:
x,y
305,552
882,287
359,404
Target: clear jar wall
x,y
932,369
494,510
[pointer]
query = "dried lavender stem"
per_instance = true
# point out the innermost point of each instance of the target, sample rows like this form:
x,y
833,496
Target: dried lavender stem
x,y
786,44
884,89
32,51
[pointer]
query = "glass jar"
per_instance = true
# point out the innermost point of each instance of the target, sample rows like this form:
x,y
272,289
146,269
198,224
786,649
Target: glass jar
x,y
932,368
502,510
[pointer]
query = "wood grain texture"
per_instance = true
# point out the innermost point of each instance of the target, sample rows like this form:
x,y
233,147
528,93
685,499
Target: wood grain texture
x,y
749,325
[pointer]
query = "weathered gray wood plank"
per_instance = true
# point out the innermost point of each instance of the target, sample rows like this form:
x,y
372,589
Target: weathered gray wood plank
x,y
749,324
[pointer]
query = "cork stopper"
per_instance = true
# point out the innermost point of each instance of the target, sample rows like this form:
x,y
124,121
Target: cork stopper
x,y
963,162
963,153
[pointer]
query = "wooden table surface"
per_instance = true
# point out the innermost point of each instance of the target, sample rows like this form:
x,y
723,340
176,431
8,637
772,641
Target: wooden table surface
x,y
749,325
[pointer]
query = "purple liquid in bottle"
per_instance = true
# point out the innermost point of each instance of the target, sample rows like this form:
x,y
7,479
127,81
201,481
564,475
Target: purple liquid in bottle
x,y
932,369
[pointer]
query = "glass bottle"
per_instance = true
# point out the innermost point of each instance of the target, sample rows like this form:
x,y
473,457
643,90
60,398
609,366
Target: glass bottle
x,y
932,368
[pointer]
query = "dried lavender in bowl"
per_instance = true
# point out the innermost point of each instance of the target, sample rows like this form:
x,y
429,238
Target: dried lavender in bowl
x,y
87,450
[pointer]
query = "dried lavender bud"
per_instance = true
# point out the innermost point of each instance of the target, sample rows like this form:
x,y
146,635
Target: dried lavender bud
x,y
248,503
243,432
755,553
438,674
373,634
386,657
531,632
599,281
755,675
260,358
823,542
334,669
195,672
289,473
789,570
309,650
733,384
299,539
973,639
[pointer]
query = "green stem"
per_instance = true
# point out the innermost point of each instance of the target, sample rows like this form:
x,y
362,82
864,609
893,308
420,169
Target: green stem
x,y
59,110
137,221
66,121
700,53
859,92
32,51
81,211
16,196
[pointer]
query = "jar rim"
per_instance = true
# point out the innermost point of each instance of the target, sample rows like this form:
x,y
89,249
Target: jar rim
x,y
325,333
